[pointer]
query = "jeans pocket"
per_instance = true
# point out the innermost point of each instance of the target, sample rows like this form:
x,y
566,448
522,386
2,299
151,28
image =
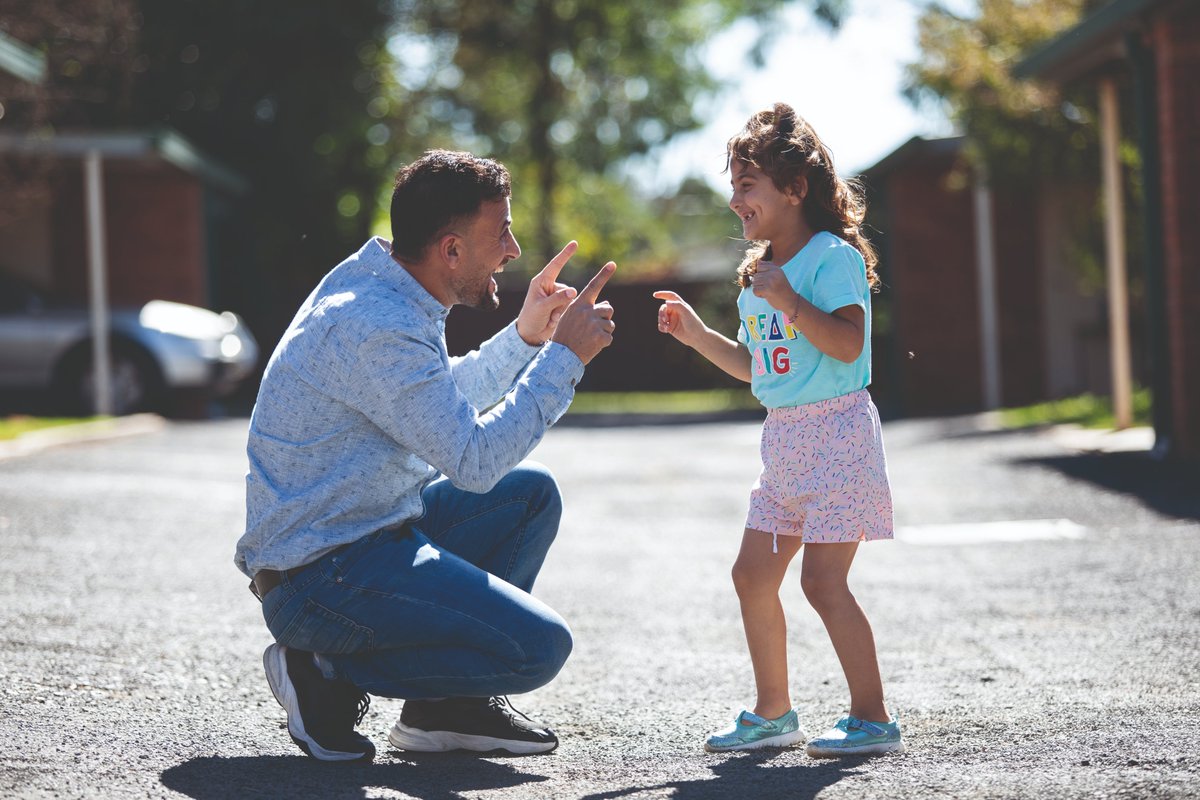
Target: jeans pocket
x,y
315,628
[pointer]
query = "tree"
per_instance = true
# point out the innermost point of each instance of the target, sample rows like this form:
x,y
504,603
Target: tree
x,y
1017,130
290,95
564,90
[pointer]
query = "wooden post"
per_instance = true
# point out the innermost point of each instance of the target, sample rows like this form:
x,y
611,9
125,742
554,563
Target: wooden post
x,y
1114,240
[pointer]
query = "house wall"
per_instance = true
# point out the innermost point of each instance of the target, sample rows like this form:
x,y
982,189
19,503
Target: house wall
x,y
931,274
1176,42
155,235
1018,279
25,245
1076,356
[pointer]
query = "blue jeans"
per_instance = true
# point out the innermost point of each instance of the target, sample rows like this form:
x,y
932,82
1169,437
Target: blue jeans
x,y
441,608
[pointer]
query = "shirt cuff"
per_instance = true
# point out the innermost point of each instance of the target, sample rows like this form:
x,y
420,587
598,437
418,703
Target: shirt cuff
x,y
511,348
566,363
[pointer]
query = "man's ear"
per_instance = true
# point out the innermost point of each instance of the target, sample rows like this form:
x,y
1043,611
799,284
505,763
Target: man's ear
x,y
449,249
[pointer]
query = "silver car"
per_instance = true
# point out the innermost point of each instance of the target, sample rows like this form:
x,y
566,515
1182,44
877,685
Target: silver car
x,y
156,349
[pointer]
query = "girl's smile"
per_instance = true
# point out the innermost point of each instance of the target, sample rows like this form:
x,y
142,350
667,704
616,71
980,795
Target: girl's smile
x,y
767,214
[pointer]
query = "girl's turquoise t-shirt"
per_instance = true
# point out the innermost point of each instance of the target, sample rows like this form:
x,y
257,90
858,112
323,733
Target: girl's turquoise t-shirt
x,y
785,369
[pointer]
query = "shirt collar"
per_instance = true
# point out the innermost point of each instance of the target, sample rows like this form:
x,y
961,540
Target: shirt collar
x,y
376,255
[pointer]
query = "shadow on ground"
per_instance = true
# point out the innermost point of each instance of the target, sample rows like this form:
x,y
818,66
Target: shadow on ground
x,y
448,776
1168,487
453,776
751,775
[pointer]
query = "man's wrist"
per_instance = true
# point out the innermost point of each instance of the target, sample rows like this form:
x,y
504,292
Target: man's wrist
x,y
529,340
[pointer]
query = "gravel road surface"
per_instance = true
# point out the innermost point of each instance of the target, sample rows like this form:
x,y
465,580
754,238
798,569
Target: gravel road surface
x,y
1037,618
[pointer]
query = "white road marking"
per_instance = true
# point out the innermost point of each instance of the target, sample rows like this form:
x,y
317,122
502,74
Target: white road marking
x,y
1019,530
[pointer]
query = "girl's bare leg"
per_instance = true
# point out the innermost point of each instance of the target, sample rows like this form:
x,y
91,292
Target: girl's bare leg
x,y
757,575
823,577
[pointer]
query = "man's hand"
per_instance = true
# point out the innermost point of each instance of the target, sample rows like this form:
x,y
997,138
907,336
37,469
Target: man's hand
x,y
546,300
586,326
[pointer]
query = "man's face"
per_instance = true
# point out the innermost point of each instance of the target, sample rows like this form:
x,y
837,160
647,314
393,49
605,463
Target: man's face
x,y
488,244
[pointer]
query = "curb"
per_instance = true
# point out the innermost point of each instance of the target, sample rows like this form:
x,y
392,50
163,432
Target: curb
x,y
1103,440
94,431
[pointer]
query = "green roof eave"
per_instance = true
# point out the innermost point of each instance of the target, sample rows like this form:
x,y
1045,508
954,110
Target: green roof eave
x,y
158,144
21,60
1089,46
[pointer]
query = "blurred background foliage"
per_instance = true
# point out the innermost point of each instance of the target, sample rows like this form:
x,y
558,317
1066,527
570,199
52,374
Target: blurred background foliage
x,y
1024,135
317,104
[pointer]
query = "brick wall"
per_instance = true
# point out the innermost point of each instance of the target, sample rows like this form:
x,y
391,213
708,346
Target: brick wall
x,y
1019,298
155,233
1176,40
930,271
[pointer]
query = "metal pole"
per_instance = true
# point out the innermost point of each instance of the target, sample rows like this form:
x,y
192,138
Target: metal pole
x,y
1114,240
98,282
989,327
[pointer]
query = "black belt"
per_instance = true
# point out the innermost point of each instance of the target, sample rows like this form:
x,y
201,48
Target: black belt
x,y
267,579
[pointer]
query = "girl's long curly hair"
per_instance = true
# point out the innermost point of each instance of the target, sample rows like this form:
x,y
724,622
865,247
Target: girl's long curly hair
x,y
786,148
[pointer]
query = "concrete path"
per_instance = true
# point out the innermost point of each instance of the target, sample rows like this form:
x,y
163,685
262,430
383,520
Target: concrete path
x,y
1037,622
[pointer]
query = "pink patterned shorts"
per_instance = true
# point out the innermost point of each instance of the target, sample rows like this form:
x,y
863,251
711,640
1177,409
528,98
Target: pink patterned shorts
x,y
824,473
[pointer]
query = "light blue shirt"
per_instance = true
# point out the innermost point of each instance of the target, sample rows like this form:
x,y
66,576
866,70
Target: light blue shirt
x,y
361,406
786,369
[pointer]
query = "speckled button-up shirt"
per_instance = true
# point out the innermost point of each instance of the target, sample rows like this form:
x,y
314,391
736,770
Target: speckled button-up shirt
x,y
361,406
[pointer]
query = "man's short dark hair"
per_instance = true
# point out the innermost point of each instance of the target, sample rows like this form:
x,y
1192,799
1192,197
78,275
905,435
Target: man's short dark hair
x,y
435,191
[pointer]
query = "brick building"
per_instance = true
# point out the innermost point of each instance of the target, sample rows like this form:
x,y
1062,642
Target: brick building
x,y
1152,47
979,309
166,210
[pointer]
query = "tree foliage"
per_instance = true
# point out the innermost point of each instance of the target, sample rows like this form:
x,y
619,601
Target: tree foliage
x,y
563,91
287,94
1017,129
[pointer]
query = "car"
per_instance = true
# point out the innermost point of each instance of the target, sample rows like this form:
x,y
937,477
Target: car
x,y
156,349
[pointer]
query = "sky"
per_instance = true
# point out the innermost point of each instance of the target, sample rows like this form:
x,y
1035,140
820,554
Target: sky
x,y
846,83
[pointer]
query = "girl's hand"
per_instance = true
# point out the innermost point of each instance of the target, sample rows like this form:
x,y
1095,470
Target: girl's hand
x,y
677,318
769,283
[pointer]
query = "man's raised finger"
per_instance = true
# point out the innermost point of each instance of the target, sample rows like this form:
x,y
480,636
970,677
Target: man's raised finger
x,y
592,290
663,294
555,265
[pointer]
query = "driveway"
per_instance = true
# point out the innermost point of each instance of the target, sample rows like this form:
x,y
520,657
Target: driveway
x,y
1037,622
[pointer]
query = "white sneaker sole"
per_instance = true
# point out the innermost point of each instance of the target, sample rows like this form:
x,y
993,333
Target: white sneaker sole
x,y
275,662
862,750
419,741
782,740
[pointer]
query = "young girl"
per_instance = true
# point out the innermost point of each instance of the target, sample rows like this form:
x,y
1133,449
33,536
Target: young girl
x,y
804,345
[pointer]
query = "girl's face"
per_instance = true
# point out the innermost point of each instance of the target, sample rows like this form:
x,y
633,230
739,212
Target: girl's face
x,y
767,214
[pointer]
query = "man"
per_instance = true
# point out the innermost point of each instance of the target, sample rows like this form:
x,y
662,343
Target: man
x,y
393,533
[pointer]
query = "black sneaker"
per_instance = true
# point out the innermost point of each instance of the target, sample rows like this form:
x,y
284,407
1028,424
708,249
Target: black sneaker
x,y
321,713
469,723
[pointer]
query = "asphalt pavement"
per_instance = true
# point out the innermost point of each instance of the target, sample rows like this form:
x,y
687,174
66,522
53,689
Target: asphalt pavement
x,y
1037,621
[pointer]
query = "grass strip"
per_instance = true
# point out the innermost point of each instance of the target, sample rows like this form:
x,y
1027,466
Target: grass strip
x,y
705,401
14,426
1085,410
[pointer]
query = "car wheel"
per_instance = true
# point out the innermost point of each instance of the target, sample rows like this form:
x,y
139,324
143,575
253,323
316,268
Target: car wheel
x,y
137,384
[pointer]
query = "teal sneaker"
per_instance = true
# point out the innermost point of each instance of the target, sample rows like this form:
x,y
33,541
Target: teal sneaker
x,y
750,731
857,737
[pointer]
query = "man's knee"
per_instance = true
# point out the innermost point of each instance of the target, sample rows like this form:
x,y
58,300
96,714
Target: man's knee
x,y
545,654
536,483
